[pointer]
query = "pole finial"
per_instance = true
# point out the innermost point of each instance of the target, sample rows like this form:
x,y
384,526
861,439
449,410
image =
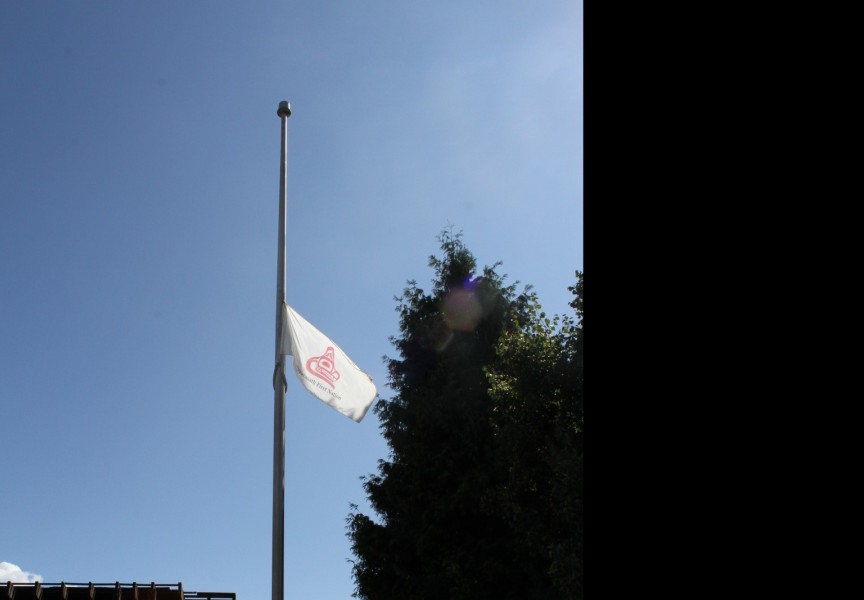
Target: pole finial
x,y
284,109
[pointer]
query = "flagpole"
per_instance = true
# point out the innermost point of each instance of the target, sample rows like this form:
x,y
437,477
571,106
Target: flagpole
x,y
279,382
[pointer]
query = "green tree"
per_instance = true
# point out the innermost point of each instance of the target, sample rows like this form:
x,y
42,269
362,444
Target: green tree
x,y
538,422
444,500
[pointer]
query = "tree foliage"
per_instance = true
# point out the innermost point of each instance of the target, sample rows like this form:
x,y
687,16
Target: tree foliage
x,y
537,398
481,494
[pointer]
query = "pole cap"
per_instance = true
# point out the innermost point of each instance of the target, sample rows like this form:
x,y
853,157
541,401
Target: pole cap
x,y
284,109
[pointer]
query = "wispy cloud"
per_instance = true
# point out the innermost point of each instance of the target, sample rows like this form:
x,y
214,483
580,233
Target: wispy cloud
x,y
13,573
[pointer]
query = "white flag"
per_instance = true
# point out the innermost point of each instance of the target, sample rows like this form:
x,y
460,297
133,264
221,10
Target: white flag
x,y
324,369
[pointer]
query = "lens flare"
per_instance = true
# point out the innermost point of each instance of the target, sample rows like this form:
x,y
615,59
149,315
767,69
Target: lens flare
x,y
462,310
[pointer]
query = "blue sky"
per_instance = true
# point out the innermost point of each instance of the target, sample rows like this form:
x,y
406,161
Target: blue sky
x,y
139,173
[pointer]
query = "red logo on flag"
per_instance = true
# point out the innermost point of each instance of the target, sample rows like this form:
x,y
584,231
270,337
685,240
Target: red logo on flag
x,y
323,366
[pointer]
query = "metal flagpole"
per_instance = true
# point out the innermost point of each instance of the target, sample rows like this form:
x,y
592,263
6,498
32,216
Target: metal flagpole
x,y
279,382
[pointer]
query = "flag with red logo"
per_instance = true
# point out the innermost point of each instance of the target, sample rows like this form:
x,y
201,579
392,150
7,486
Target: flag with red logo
x,y
324,369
